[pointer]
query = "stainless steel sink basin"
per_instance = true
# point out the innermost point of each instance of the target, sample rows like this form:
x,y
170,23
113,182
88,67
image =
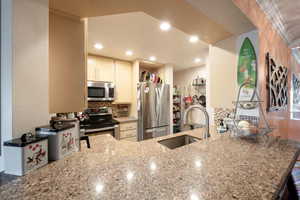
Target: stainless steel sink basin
x,y
178,141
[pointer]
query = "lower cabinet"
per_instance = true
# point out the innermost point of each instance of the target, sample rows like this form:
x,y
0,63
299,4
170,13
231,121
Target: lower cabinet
x,y
128,130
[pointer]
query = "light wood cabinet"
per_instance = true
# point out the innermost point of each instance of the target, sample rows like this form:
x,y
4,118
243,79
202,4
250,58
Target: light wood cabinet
x,y
100,69
128,130
123,81
128,126
116,71
91,69
105,70
67,68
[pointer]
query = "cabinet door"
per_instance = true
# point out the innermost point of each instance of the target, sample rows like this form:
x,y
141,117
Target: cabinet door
x,y
67,64
91,69
123,81
105,69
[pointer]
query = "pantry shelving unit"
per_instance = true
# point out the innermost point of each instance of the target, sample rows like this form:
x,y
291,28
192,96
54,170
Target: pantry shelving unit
x,y
176,113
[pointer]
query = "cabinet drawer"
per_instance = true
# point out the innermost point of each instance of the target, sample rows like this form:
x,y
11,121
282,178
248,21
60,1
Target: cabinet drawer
x,y
128,126
126,134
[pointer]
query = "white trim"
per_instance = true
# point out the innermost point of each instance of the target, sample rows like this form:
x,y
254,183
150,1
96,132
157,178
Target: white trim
x,y
6,73
209,107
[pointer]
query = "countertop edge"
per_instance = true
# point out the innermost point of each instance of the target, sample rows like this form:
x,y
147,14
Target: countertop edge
x,y
126,119
285,176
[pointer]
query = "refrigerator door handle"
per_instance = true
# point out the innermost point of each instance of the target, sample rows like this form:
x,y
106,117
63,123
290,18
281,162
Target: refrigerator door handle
x,y
156,105
159,103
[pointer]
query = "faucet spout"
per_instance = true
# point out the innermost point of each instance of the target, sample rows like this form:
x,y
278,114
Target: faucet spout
x,y
201,108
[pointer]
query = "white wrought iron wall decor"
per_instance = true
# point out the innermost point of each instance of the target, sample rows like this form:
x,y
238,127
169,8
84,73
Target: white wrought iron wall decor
x,y
277,87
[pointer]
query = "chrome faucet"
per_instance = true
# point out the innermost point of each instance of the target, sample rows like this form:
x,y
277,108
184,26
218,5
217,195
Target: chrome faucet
x,y
201,108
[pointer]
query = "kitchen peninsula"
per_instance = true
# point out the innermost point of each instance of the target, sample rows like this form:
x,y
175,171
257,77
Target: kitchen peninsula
x,y
220,167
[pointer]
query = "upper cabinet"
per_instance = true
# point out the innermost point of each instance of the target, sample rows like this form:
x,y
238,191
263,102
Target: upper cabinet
x,y
100,69
105,70
110,70
123,81
67,68
91,69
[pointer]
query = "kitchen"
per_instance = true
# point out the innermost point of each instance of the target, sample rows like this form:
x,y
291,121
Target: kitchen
x,y
115,71
98,77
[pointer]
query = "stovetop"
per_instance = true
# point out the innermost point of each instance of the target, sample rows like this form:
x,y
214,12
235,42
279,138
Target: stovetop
x,y
96,120
95,125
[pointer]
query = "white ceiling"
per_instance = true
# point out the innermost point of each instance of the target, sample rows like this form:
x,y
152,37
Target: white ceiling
x,y
225,13
140,33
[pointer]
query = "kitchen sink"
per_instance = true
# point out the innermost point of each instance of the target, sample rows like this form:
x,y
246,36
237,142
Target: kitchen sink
x,y
178,141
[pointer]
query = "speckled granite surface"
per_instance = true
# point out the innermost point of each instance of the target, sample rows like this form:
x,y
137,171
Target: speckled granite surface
x,y
218,168
126,119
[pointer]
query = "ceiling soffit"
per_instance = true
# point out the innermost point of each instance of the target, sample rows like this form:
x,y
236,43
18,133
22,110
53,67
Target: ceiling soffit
x,y
179,13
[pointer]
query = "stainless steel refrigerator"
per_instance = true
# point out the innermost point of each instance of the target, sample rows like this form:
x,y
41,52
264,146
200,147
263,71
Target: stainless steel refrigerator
x,y
153,110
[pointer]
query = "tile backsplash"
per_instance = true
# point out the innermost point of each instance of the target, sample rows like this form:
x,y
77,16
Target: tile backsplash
x,y
119,110
95,104
221,113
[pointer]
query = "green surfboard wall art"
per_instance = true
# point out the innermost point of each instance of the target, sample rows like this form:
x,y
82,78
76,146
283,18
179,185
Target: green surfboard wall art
x,y
247,66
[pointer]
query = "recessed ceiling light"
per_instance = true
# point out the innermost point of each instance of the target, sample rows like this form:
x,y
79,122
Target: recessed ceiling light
x,y
165,26
197,60
152,58
129,53
98,46
194,39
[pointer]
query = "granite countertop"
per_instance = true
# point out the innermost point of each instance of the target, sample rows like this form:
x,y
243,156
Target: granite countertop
x,y
218,168
126,119
29,140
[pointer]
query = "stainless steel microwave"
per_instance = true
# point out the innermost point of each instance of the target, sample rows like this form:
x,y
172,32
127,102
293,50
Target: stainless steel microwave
x,y
100,91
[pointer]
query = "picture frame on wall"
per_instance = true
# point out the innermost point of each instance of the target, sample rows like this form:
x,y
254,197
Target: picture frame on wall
x,y
295,97
295,92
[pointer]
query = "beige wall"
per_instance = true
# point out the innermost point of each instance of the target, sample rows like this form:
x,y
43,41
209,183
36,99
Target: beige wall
x,y
24,67
30,65
222,66
67,70
184,78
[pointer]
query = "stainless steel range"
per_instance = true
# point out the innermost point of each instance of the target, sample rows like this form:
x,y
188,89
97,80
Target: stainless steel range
x,y
98,120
